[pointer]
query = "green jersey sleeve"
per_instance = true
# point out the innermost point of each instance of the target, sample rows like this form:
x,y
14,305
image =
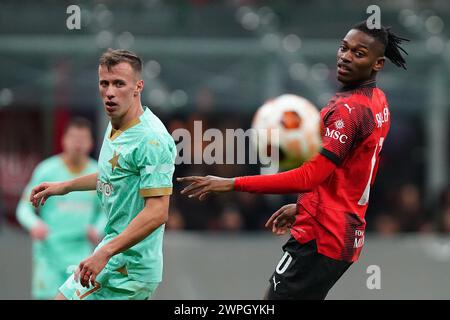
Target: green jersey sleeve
x,y
155,160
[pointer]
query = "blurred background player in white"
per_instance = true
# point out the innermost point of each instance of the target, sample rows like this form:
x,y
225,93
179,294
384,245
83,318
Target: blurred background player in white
x,y
66,229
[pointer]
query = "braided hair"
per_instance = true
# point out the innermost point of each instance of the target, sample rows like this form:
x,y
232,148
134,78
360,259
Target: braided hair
x,y
390,41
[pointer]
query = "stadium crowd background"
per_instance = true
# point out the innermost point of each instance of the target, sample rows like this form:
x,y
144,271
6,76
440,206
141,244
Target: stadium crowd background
x,y
218,61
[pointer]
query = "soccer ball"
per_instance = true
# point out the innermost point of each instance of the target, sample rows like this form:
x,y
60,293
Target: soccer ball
x,y
297,121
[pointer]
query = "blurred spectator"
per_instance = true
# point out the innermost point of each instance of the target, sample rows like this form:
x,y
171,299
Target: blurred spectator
x,y
175,124
231,219
445,198
254,210
386,224
205,100
2,211
197,214
409,210
176,220
445,225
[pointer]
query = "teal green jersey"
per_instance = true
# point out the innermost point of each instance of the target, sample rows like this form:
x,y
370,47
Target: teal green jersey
x,y
135,162
67,217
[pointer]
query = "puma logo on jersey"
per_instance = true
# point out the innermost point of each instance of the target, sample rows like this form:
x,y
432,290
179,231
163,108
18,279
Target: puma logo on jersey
x,y
349,108
275,283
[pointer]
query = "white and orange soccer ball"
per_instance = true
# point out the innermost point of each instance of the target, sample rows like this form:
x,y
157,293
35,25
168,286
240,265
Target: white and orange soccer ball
x,y
298,124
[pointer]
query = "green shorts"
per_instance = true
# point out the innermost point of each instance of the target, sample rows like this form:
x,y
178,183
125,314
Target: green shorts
x,y
47,278
110,285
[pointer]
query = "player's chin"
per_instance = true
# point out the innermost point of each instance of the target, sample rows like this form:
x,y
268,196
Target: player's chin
x,y
347,79
344,78
110,112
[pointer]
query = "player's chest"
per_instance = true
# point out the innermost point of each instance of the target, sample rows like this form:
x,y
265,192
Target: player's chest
x,y
116,159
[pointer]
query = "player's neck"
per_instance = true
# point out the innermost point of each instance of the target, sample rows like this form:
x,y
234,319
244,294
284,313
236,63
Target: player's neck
x,y
74,163
351,86
134,112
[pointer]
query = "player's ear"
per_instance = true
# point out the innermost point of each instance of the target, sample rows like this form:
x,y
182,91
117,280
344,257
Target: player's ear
x,y
379,64
139,87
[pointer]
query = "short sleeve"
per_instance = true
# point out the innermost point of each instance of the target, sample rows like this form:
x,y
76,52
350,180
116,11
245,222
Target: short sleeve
x,y
343,126
155,160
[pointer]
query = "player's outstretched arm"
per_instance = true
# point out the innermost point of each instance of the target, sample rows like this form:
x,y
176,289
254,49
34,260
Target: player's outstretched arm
x,y
154,214
302,179
200,187
43,191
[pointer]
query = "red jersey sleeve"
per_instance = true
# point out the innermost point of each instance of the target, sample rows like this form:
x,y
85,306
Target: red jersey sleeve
x,y
344,125
302,179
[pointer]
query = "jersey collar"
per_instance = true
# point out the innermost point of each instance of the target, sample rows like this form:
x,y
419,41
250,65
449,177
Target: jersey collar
x,y
350,87
115,133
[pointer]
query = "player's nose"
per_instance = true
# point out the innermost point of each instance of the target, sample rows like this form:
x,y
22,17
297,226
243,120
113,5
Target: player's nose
x,y
109,93
345,57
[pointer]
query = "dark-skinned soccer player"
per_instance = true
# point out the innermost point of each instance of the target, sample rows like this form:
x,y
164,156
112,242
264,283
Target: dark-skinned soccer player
x,y
327,223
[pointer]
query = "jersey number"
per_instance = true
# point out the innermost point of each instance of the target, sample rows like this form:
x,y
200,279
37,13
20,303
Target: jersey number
x,y
365,196
284,263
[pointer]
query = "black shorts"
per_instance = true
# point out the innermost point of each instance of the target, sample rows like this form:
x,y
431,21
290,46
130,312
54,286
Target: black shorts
x,y
303,273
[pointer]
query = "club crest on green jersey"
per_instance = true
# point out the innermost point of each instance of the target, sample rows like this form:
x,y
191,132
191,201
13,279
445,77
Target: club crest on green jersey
x,y
115,161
